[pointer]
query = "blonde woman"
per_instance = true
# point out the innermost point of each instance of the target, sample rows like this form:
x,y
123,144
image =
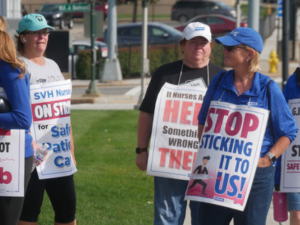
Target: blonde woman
x,y
15,82
245,85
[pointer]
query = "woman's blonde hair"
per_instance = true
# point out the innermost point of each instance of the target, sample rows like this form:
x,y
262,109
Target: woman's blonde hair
x,y
7,49
254,63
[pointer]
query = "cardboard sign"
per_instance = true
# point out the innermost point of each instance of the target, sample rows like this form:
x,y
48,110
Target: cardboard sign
x,y
228,154
51,108
12,161
174,140
290,161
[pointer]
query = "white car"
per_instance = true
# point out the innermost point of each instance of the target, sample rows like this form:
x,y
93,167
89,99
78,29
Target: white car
x,y
99,46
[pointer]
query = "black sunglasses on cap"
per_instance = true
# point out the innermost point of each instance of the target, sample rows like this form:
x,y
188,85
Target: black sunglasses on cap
x,y
231,48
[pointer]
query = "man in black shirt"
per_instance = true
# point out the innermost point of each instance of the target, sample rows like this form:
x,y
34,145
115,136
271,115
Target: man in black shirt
x,y
194,70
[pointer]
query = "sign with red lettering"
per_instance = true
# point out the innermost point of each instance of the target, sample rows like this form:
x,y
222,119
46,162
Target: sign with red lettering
x,y
51,108
174,140
228,154
12,158
12,155
290,160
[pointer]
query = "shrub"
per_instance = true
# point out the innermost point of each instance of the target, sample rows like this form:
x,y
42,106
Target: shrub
x,y
83,65
131,61
130,58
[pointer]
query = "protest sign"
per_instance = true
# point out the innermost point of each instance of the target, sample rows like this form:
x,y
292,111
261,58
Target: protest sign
x,y
174,139
51,108
290,161
228,154
12,156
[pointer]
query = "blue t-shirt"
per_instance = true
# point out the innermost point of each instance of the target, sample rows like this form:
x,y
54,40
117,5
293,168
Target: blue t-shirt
x,y
17,91
283,123
291,89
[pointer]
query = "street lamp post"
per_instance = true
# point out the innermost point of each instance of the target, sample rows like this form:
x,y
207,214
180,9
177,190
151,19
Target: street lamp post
x,y
93,86
145,61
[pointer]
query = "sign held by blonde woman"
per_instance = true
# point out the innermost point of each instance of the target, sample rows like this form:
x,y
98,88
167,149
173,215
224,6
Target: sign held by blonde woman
x,y
228,154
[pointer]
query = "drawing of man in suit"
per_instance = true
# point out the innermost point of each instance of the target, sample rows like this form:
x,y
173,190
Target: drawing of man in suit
x,y
201,170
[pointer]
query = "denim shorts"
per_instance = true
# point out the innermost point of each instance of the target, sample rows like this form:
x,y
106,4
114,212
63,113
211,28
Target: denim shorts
x,y
293,200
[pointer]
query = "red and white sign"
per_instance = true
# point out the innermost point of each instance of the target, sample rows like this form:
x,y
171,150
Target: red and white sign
x,y
290,161
228,154
51,108
12,159
174,140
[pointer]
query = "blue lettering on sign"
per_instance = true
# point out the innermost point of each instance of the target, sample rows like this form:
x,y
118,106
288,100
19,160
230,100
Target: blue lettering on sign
x,y
60,161
61,131
219,199
43,95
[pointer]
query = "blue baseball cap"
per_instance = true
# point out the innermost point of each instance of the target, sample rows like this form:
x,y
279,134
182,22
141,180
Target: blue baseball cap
x,y
243,35
33,22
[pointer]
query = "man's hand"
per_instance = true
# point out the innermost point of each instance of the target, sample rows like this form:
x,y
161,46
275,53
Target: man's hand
x,y
141,160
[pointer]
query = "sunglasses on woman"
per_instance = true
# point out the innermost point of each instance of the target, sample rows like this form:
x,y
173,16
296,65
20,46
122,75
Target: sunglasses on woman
x,y
37,33
231,48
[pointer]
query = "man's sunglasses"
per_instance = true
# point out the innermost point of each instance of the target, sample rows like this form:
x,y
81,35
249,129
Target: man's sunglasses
x,y
231,48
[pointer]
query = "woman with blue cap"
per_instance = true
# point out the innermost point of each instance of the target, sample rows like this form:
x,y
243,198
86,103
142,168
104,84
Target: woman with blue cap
x,y
32,42
15,83
245,85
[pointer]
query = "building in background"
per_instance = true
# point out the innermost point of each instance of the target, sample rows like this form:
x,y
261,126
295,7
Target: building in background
x,y
10,8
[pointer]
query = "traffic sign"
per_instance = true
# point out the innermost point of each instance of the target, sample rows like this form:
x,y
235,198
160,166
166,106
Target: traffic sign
x,y
279,8
84,7
279,11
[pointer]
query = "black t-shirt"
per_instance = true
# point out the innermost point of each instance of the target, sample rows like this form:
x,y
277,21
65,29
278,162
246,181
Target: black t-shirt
x,y
170,73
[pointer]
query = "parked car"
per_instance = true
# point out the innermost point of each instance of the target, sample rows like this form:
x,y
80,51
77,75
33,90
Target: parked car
x,y
184,10
100,48
158,33
219,24
99,6
56,18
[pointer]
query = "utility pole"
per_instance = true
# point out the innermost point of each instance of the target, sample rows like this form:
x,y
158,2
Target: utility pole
x,y
253,14
285,41
112,69
293,23
93,86
145,61
238,13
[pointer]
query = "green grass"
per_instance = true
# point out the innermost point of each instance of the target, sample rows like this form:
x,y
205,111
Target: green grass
x,y
109,187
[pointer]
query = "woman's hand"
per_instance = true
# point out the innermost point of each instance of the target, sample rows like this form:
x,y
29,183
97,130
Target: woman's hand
x,y
264,161
36,147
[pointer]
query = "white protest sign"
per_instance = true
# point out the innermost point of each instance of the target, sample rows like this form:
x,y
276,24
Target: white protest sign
x,y
12,161
228,154
174,140
51,108
290,161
